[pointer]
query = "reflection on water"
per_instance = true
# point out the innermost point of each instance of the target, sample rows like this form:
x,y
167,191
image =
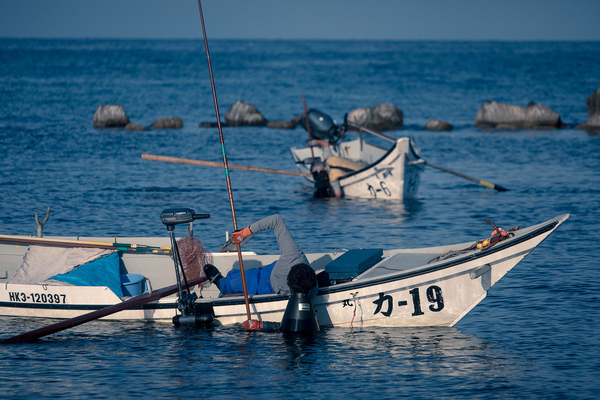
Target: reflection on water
x,y
333,362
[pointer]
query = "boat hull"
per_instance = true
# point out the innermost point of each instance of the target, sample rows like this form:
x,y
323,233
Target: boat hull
x,y
407,288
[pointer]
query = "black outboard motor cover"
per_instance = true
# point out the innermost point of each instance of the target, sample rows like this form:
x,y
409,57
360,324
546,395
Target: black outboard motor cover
x,y
320,174
299,315
321,125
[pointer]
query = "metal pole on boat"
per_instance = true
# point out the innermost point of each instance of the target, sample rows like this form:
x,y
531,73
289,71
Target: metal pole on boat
x,y
225,165
312,152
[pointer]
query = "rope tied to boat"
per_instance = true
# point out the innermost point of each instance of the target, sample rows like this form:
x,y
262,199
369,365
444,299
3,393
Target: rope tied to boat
x,y
497,235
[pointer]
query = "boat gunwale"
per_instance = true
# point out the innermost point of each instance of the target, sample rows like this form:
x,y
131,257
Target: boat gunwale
x,y
297,159
367,167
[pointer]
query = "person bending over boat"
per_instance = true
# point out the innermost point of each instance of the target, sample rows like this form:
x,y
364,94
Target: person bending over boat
x,y
272,278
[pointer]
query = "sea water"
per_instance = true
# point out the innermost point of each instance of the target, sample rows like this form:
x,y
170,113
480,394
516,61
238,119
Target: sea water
x,y
534,336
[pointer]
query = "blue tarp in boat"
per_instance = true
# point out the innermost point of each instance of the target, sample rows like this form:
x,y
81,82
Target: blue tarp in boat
x,y
104,271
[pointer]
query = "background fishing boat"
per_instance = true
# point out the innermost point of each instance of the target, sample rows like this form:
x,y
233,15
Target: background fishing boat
x,y
392,173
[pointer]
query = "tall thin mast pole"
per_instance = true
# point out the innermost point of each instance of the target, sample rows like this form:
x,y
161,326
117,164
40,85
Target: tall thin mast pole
x,y
225,164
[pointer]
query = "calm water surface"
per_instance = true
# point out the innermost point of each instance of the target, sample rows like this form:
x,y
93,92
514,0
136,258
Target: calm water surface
x,y
534,336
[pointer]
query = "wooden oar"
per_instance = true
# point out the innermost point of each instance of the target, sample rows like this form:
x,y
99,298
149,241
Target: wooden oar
x,y
390,139
103,312
213,164
83,243
478,181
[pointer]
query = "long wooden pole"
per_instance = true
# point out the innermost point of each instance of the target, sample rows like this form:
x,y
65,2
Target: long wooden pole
x,y
389,139
178,160
82,243
225,165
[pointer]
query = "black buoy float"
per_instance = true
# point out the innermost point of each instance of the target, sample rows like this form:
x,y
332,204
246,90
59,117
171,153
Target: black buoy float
x,y
299,315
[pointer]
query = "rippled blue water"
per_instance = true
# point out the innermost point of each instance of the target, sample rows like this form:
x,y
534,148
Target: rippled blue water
x,y
534,336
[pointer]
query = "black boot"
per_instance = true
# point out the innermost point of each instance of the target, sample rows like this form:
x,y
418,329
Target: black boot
x,y
212,274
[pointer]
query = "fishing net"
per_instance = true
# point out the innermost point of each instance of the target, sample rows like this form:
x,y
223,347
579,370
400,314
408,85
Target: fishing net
x,y
193,257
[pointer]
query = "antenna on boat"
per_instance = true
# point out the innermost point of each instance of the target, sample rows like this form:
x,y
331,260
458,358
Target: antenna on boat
x,y
225,164
312,152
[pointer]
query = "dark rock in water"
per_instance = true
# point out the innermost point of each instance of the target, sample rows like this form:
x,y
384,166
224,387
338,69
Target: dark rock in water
x,y
244,114
282,124
359,116
493,114
386,117
110,116
437,125
210,124
168,123
593,108
380,117
132,126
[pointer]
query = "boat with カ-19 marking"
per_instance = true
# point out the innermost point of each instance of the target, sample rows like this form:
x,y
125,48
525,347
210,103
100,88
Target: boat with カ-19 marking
x,y
434,286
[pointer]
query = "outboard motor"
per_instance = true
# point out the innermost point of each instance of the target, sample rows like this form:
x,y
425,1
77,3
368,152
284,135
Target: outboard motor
x,y
321,126
299,315
192,313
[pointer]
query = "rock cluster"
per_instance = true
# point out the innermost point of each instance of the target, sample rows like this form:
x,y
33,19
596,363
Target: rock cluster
x,y
168,123
110,116
380,117
497,115
244,114
114,116
593,109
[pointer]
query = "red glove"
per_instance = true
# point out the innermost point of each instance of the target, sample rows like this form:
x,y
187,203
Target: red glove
x,y
252,325
238,236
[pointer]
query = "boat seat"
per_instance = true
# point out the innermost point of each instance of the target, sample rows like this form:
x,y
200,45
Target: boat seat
x,y
399,262
352,263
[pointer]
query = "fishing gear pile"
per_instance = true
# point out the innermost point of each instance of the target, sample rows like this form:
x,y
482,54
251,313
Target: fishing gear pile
x,y
193,257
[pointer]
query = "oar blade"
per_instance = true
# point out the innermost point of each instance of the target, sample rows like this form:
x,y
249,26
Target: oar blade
x,y
500,188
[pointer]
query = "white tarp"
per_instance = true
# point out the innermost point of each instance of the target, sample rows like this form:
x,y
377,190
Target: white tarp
x,y
42,262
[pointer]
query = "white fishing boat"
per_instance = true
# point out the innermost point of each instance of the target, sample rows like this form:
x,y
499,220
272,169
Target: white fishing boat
x,y
392,173
358,168
435,286
355,168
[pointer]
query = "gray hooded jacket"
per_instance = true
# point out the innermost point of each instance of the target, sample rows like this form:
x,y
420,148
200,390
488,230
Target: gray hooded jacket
x,y
291,254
